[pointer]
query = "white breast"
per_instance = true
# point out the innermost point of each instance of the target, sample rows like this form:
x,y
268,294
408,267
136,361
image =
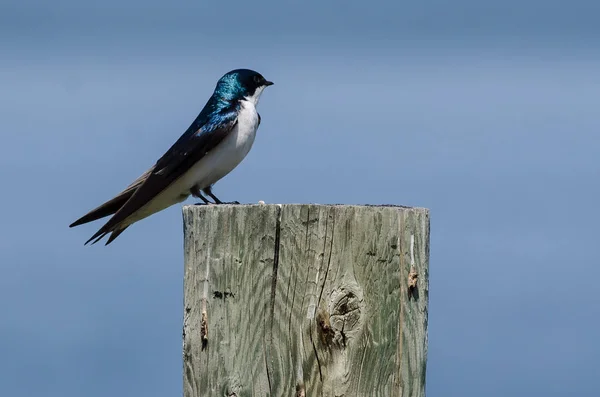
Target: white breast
x,y
229,153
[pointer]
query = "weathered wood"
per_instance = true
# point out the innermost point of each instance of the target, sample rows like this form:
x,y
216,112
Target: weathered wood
x,y
305,300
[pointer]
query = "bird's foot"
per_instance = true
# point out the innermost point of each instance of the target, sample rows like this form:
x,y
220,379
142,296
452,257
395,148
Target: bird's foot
x,y
208,191
209,203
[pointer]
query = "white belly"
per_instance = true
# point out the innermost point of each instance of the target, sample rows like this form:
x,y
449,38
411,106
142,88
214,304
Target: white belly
x,y
212,167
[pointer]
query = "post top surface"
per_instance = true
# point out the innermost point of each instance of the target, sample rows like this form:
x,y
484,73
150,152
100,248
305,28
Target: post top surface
x,y
396,206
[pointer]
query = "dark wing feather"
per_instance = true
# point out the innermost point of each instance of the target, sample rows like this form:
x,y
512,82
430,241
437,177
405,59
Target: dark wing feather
x,y
193,145
112,205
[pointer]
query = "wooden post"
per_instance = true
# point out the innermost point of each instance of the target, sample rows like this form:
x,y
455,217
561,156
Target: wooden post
x,y
305,300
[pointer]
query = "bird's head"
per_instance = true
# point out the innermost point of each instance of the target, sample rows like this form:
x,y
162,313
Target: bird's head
x,y
241,84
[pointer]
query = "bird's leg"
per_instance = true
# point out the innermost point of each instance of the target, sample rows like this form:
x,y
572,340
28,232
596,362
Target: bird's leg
x,y
209,193
196,193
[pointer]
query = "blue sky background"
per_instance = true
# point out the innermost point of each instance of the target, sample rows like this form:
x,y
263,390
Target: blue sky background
x,y
484,112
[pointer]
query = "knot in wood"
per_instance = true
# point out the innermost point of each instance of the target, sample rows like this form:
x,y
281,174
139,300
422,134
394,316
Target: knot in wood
x,y
345,321
346,310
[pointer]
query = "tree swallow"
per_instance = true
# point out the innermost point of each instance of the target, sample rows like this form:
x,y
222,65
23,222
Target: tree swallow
x,y
214,144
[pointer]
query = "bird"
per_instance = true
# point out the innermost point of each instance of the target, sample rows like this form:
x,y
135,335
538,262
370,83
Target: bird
x,y
214,144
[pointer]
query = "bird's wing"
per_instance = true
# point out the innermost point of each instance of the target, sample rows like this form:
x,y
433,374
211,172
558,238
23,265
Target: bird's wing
x,y
193,145
112,205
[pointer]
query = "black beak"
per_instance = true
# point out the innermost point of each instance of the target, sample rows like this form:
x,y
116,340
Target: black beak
x,y
268,83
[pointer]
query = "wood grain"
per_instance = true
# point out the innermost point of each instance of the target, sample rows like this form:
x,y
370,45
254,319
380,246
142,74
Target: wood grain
x,y
313,300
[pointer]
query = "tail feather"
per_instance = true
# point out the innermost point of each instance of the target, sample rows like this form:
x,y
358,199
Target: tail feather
x,y
96,237
106,209
115,234
100,234
109,208
112,205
